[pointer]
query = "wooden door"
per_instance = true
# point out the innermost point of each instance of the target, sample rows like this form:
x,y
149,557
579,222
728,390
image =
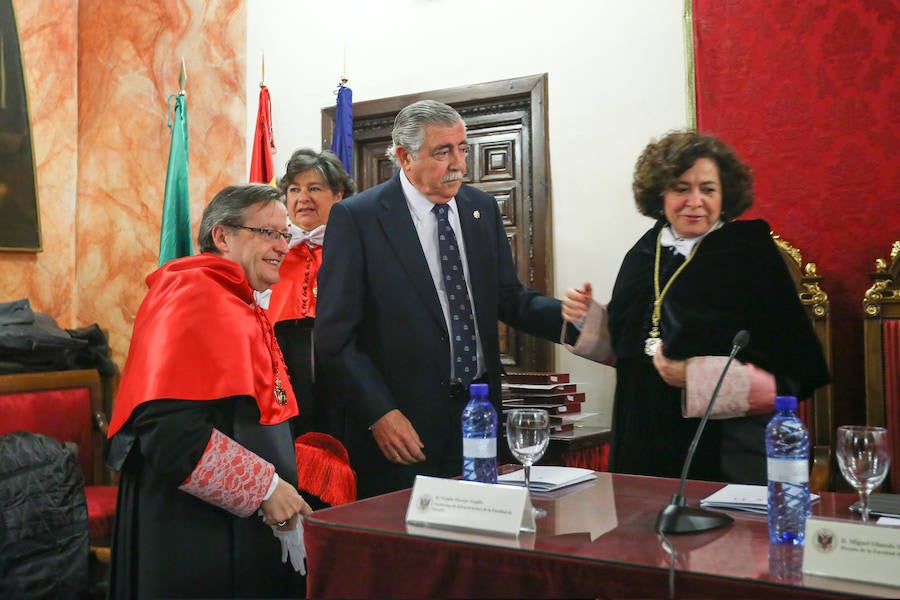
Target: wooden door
x,y
506,128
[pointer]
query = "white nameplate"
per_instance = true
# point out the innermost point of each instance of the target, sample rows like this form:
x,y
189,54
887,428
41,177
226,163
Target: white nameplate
x,y
461,504
852,550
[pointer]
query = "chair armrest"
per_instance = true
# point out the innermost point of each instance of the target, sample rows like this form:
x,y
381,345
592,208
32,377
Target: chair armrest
x,y
101,422
820,474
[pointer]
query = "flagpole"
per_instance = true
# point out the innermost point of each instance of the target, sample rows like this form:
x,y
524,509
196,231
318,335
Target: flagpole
x,y
175,228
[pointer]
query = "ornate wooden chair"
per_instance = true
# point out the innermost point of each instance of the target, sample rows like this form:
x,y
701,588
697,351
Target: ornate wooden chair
x,y
881,351
817,412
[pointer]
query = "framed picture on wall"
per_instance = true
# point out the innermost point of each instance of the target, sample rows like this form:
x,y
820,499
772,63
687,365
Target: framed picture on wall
x,y
20,228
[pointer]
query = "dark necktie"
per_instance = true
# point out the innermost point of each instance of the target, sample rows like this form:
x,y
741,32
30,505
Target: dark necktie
x,y
462,327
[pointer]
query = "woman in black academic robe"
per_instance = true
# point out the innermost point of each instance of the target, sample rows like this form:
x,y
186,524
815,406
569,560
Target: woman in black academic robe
x,y
710,277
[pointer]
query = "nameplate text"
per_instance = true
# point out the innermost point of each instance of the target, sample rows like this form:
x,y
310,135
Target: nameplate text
x,y
470,505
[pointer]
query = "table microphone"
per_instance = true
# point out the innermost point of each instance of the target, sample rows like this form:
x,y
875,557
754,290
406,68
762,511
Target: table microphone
x,y
677,517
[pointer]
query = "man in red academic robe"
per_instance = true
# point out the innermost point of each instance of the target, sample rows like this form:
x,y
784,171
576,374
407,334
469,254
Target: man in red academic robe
x,y
200,430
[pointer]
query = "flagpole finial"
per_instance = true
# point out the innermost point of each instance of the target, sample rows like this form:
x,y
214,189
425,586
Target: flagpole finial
x,y
182,78
262,77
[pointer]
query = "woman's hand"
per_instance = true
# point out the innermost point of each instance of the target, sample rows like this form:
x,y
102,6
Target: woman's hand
x,y
673,372
576,302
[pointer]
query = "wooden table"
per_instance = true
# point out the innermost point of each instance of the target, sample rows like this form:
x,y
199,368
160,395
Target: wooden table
x,y
580,447
598,541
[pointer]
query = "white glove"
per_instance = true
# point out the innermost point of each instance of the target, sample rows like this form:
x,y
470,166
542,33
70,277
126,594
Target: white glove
x,y
292,545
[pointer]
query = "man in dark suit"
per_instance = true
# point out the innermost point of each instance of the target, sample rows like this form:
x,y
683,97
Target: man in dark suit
x,y
385,317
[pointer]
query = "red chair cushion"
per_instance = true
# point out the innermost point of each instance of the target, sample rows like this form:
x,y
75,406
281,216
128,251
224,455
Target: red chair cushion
x,y
63,414
101,505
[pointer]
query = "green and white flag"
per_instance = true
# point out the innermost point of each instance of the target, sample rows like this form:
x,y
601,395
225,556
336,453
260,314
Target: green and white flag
x,y
175,233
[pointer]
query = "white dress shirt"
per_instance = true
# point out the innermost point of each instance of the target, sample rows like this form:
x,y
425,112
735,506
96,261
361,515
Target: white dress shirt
x,y
425,222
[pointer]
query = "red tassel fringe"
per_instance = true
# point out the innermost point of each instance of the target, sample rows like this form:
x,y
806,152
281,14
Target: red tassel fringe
x,y
323,468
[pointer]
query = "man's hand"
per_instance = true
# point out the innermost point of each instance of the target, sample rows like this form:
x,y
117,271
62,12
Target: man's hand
x,y
397,439
284,505
673,372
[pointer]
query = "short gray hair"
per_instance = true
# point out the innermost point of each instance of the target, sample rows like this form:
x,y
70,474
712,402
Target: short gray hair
x,y
229,207
411,121
326,164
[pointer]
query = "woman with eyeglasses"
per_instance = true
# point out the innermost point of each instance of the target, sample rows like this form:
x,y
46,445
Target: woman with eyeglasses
x,y
312,183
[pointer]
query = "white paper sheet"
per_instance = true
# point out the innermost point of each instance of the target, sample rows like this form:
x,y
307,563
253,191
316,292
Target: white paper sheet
x,y
547,479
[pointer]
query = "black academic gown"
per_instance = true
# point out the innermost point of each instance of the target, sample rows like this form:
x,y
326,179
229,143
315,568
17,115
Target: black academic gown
x,y
736,280
187,547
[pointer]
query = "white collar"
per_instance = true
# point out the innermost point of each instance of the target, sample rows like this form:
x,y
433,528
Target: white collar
x,y
311,238
683,246
262,298
419,204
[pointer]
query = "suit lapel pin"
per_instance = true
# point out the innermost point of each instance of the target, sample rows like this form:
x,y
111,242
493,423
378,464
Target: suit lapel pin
x,y
476,214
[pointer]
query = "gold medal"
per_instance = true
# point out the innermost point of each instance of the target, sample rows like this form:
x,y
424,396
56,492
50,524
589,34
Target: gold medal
x,y
280,394
651,346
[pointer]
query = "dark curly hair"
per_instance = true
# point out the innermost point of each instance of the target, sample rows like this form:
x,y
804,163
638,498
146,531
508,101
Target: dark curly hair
x,y
665,159
326,163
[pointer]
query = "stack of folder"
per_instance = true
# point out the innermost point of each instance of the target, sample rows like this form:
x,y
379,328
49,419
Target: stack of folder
x,y
553,392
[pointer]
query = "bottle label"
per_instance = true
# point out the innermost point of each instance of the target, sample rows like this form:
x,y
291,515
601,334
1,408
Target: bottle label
x,y
788,470
480,447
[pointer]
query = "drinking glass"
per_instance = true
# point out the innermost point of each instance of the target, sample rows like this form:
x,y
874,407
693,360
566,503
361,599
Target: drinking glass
x,y
528,433
863,454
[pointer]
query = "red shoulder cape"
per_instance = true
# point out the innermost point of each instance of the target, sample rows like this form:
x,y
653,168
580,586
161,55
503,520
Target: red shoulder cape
x,y
294,296
199,336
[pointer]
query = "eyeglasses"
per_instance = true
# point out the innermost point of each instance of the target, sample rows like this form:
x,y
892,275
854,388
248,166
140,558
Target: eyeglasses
x,y
270,235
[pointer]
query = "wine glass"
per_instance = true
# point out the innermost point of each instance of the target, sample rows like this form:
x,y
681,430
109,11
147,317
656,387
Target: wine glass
x,y
528,433
863,454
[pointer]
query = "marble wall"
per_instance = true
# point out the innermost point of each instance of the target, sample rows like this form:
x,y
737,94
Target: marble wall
x,y
98,75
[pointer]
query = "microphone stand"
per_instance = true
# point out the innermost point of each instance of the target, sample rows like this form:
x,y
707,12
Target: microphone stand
x,y
677,517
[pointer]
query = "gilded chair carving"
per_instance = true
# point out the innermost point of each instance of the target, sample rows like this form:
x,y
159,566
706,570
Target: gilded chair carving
x,y
881,351
817,412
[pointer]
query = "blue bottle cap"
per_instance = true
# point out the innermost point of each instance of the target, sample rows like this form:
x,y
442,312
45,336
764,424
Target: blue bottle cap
x,y
478,390
785,403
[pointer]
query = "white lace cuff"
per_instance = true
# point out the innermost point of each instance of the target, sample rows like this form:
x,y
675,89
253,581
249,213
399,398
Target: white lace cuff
x,y
746,389
230,476
594,341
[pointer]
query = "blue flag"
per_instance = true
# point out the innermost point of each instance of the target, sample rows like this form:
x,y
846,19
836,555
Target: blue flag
x,y
342,140
175,232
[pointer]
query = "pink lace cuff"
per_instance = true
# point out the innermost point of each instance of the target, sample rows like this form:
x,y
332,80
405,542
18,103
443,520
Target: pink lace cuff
x,y
594,342
746,390
230,476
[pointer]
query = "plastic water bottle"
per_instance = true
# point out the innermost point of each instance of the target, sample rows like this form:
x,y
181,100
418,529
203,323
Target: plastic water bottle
x,y
479,431
787,449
